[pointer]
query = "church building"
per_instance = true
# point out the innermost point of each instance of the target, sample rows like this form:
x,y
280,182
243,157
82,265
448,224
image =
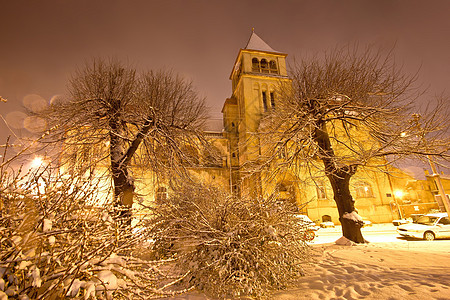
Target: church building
x,y
255,75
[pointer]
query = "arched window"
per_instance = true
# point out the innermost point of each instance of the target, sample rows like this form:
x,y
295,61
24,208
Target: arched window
x,y
363,189
264,66
255,65
272,99
321,190
326,218
273,67
264,98
161,195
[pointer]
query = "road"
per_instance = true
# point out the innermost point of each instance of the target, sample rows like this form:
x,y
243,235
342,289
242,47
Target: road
x,y
375,233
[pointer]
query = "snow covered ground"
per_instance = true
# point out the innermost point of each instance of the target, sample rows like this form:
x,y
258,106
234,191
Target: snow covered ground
x,y
393,270
385,269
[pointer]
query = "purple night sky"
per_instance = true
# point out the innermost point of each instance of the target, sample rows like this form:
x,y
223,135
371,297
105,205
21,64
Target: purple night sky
x,y
42,42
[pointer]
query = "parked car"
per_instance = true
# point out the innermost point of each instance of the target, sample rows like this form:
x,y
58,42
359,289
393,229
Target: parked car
x,y
415,217
400,222
428,227
309,225
327,224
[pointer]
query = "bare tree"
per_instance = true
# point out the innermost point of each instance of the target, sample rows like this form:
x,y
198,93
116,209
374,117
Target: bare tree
x,y
347,110
115,117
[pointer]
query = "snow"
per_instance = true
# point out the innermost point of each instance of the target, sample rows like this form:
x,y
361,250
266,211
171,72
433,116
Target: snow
x,y
89,291
34,273
381,271
256,43
353,216
75,288
47,225
343,241
51,240
107,280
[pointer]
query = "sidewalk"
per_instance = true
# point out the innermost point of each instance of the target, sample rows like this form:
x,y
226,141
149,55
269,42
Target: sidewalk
x,y
382,227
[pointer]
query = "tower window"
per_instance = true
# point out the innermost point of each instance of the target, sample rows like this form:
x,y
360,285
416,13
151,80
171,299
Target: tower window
x,y
264,66
273,67
255,65
264,96
272,99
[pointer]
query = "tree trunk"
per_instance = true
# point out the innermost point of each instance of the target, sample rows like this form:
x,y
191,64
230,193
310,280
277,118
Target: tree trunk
x,y
340,182
123,184
123,190
339,177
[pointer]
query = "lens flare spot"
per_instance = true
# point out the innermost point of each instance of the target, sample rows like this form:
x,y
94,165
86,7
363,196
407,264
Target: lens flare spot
x,y
34,124
57,99
34,103
15,119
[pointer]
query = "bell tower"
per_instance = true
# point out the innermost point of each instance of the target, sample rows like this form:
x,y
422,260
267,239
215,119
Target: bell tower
x,y
257,72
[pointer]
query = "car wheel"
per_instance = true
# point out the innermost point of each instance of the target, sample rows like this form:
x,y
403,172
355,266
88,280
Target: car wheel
x,y
429,236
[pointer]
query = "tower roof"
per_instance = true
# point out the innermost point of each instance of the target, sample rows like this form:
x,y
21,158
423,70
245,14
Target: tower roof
x,y
256,43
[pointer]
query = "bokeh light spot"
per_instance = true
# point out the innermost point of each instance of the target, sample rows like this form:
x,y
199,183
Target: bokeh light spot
x,y
15,119
57,99
34,124
34,103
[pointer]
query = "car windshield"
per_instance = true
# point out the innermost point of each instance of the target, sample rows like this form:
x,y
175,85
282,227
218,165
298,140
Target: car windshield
x,y
426,220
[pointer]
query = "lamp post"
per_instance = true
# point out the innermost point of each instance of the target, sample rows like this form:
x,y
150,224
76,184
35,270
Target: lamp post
x,y
394,197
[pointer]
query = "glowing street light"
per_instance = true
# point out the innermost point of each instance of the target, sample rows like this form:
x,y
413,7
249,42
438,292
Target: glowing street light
x,y
399,194
37,162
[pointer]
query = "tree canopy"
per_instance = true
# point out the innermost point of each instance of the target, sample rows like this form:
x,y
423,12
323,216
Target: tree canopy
x,y
346,110
116,117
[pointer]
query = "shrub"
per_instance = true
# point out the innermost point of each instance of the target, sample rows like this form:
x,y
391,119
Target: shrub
x,y
56,242
230,246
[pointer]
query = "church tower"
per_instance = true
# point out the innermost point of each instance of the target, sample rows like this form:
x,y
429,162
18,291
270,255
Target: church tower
x,y
257,71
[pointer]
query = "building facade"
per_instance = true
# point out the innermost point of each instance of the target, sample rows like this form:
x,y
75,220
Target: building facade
x,y
255,75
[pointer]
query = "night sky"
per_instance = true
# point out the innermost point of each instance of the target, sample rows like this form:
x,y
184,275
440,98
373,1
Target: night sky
x,y
42,42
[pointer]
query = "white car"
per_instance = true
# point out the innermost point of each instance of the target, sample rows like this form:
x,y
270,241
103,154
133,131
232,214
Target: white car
x,y
400,222
428,227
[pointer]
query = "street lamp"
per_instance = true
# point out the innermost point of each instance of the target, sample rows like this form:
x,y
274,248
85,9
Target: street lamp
x,y
37,162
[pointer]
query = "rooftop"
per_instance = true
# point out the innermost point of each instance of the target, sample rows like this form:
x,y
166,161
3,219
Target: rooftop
x,y
256,43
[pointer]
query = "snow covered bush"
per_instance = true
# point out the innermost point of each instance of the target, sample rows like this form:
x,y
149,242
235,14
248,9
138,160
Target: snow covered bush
x,y
230,246
56,243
